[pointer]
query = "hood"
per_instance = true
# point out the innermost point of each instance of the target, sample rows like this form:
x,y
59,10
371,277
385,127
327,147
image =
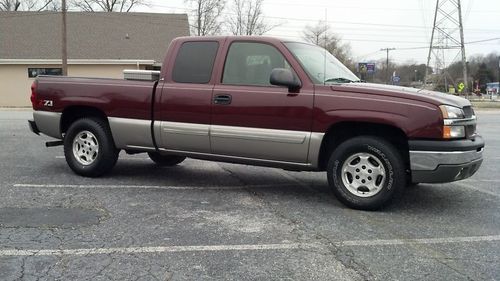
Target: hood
x,y
432,97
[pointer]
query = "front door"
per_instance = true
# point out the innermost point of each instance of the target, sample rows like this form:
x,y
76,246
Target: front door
x,y
252,118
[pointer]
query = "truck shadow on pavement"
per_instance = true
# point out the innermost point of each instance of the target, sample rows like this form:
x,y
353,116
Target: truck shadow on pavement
x,y
270,184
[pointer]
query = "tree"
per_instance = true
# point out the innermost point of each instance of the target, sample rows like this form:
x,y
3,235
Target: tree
x,y
321,35
107,5
484,75
483,68
318,34
24,5
206,15
248,18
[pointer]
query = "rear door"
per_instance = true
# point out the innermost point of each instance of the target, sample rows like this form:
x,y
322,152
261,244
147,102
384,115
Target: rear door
x,y
252,118
186,96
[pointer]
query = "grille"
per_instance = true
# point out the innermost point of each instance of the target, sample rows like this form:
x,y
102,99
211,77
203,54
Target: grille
x,y
470,130
468,111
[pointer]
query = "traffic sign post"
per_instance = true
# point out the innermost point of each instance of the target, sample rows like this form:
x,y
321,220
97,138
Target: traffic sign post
x,y
460,87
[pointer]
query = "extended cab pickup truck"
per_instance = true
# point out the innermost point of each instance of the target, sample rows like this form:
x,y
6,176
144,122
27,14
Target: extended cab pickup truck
x,y
264,101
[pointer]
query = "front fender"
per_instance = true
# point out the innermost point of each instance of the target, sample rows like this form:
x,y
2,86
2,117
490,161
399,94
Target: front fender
x,y
415,118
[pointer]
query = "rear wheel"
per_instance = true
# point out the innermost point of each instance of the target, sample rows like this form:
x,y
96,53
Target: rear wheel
x,y
366,172
89,148
165,160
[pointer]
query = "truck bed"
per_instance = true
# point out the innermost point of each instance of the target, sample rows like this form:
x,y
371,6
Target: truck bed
x,y
114,97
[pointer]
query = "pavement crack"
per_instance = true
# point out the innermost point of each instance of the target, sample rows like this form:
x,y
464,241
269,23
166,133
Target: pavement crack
x,y
23,267
299,230
233,175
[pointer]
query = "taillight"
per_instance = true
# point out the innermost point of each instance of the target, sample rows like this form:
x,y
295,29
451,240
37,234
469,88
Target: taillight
x,y
33,99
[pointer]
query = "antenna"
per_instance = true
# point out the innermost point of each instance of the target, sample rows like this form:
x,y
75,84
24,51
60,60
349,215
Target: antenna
x,y
447,35
324,46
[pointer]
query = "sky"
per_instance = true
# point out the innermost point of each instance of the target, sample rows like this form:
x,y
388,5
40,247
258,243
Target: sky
x,y
368,26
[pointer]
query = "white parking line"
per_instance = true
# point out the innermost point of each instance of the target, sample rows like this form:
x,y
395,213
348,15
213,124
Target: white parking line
x,y
164,249
247,247
166,187
474,180
119,158
446,240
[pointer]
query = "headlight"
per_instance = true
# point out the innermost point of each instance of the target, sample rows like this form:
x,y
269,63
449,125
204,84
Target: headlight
x,y
451,112
450,116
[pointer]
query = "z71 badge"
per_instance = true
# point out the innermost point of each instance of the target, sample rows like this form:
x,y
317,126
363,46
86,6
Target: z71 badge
x,y
48,103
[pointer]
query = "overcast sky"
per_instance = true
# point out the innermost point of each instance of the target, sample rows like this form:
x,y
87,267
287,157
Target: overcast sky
x,y
369,25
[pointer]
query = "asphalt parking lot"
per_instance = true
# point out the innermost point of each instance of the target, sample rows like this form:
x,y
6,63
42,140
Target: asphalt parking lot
x,y
215,221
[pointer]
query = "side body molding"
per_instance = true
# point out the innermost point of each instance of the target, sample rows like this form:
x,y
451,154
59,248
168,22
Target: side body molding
x,y
260,143
253,145
131,133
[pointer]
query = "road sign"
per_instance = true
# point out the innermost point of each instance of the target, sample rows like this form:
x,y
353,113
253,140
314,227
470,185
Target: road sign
x,y
395,80
366,67
461,87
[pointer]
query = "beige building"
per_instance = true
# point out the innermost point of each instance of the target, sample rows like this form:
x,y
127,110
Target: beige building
x,y
99,45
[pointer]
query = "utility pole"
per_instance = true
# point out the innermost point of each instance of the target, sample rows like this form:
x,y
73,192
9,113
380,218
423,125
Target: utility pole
x,y
447,35
498,90
462,49
388,81
64,40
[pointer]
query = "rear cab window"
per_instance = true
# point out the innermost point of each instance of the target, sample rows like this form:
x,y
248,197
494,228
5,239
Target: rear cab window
x,y
194,62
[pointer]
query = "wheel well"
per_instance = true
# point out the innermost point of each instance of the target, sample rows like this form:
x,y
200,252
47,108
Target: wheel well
x,y
74,113
340,132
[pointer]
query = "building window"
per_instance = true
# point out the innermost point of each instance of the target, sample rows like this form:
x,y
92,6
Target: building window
x,y
194,62
153,67
34,72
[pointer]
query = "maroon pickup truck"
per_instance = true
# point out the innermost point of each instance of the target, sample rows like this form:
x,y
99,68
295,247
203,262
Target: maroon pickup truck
x,y
264,101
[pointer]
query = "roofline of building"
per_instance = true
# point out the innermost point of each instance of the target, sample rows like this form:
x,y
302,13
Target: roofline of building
x,y
78,61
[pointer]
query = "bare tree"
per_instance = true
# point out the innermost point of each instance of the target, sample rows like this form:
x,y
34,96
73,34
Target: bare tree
x,y
107,5
248,18
24,5
321,35
206,15
318,34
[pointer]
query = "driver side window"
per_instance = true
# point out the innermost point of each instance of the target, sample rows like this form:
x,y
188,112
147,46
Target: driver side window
x,y
250,63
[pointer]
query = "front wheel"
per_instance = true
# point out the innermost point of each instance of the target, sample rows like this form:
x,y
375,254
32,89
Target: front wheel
x,y
89,148
366,172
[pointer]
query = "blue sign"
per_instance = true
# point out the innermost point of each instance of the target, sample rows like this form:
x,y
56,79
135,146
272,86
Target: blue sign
x,y
396,79
366,67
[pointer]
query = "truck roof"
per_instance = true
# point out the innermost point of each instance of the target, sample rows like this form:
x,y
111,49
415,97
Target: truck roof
x,y
260,38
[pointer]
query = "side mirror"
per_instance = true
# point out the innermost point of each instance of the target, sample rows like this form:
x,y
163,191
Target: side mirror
x,y
285,77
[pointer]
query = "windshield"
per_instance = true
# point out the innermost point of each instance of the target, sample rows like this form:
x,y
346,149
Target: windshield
x,y
321,66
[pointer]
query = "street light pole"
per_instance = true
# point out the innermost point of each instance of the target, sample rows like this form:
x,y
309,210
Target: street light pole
x,y
498,91
64,40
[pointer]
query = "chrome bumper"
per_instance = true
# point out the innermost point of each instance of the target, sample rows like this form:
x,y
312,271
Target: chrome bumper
x,y
444,166
430,160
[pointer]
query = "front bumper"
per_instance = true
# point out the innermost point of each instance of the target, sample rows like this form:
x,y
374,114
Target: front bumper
x,y
445,161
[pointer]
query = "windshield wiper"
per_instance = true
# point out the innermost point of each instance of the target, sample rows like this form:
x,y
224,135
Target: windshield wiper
x,y
340,80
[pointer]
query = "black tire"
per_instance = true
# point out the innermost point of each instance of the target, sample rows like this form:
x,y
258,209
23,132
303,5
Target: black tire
x,y
165,160
379,154
80,143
